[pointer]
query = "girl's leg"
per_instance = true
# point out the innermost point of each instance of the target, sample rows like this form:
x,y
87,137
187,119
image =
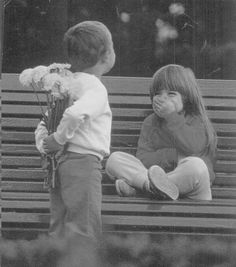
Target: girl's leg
x,y
131,173
128,168
80,178
191,176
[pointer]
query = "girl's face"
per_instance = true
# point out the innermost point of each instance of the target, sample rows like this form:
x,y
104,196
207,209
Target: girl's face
x,y
166,102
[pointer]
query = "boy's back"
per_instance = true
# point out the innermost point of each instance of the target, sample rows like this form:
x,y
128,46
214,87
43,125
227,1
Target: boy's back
x,y
91,111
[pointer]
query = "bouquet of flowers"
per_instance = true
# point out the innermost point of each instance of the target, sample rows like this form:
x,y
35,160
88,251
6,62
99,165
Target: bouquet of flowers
x,y
53,80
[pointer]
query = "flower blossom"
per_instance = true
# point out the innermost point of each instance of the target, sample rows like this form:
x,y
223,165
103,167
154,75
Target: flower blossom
x,y
26,77
38,73
59,68
55,84
53,78
176,9
63,86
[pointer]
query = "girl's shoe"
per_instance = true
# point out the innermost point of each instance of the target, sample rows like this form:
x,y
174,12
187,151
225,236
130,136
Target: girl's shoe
x,y
160,185
124,190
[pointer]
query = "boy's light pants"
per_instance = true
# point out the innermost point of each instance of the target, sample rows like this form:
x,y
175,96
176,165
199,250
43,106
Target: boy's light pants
x,y
191,176
77,197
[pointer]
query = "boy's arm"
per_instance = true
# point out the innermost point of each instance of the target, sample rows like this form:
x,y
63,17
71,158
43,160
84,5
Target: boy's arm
x,y
50,145
89,106
40,134
164,157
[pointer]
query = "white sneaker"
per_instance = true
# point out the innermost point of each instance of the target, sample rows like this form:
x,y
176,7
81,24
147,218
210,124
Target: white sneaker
x,y
160,185
124,190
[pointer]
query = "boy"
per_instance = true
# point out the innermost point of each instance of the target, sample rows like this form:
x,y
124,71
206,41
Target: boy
x,y
85,128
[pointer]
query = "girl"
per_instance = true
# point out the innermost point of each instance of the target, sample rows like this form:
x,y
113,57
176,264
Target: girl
x,y
176,147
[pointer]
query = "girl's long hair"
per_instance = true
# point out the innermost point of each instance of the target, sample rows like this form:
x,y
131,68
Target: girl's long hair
x,y
178,78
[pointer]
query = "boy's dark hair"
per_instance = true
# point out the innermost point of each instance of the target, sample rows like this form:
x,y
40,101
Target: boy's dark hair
x,y
86,43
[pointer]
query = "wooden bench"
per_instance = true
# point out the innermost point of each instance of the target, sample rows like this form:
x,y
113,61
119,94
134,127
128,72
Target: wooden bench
x,y
25,205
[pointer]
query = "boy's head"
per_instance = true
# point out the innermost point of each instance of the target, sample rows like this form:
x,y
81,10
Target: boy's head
x,y
88,43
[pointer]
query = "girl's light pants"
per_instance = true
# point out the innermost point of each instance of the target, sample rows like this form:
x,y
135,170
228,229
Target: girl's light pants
x,y
191,175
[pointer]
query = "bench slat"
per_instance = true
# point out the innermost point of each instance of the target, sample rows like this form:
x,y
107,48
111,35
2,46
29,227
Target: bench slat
x,y
108,189
125,139
26,174
120,101
116,112
34,161
165,222
137,221
31,150
223,192
44,196
137,86
156,209
118,125
37,196
226,179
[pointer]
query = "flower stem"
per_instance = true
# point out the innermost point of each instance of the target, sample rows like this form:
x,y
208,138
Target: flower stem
x,y
33,84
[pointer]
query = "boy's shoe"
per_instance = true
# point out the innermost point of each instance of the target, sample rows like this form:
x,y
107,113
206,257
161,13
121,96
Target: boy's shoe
x,y
160,185
124,190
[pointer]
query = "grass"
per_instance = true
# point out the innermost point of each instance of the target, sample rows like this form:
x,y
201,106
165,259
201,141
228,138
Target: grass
x,y
119,251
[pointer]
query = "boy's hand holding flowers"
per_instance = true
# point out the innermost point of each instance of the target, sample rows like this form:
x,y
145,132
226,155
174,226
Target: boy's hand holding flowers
x,y
53,80
50,145
167,103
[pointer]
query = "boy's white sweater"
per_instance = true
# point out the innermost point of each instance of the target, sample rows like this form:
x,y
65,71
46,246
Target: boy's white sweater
x,y
86,125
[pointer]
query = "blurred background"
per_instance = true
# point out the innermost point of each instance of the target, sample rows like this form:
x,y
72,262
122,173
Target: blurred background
x,y
148,34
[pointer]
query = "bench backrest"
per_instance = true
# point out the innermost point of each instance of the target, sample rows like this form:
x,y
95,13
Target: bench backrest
x,y
130,103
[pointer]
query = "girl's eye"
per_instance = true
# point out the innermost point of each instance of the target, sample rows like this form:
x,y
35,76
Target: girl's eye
x,y
171,93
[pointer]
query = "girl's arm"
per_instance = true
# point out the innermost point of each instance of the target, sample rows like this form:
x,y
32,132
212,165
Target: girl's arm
x,y
146,152
188,133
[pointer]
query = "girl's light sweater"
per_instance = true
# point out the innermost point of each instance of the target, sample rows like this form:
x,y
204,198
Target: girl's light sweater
x,y
86,125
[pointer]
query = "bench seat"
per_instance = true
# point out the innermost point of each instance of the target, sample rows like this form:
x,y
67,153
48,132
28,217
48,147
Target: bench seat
x,y
132,215
25,200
